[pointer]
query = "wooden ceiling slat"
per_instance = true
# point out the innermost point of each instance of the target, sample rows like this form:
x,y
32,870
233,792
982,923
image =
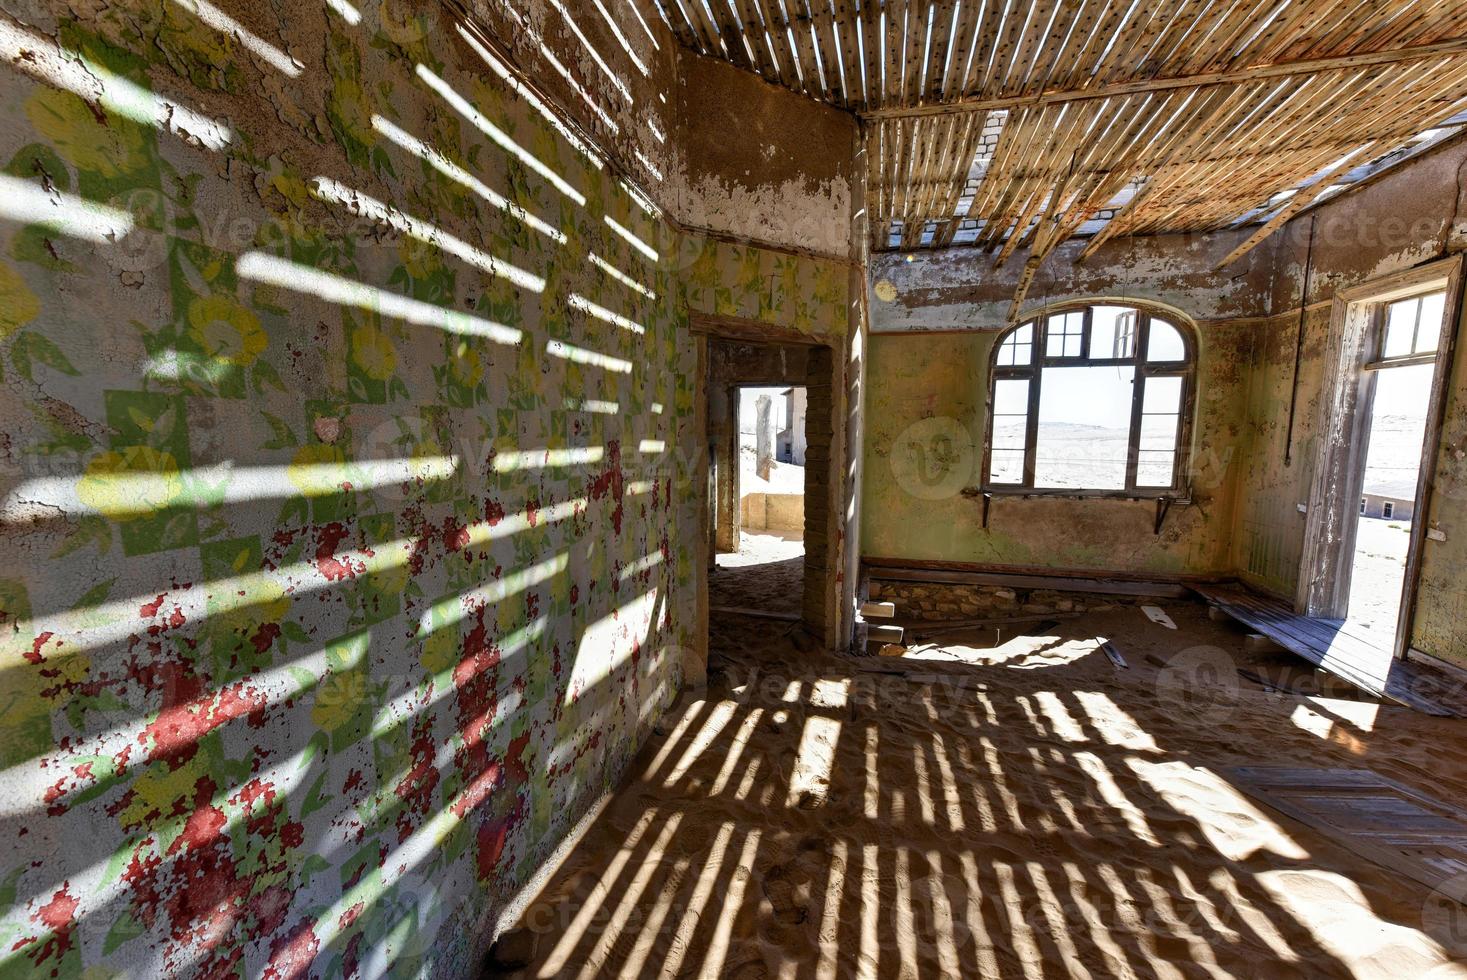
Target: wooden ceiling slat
x,y
963,156
985,33
1141,22
1215,50
1063,44
1193,18
707,29
960,32
1032,30
787,69
1211,107
843,24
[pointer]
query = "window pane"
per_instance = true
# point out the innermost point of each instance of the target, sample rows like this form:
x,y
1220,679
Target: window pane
x,y
1084,428
1006,466
1159,432
1400,328
1009,432
1011,397
1112,332
1155,469
1165,343
1163,396
1428,334
1010,415
1017,349
1066,334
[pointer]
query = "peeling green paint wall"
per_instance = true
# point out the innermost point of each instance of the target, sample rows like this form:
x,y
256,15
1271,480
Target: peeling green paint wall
x,y
1442,597
805,294
346,497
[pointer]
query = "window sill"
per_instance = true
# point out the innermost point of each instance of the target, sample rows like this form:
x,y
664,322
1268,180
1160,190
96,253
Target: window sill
x,y
1179,497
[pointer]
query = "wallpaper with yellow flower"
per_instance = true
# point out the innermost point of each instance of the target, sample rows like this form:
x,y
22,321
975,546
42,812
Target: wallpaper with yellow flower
x,y
335,591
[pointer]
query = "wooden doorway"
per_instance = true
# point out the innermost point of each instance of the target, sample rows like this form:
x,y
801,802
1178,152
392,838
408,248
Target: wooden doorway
x,y
736,354
1358,352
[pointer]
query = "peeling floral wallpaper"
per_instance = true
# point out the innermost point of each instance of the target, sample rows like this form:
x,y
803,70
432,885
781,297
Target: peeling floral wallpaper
x,y
346,420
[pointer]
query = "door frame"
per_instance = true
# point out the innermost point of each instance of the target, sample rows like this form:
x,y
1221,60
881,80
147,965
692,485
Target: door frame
x,y
827,593
1356,321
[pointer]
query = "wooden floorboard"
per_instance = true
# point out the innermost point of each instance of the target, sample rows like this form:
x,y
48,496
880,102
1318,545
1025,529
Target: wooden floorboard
x,y
1380,819
1331,646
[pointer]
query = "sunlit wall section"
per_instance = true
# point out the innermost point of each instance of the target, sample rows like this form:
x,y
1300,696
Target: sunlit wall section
x,y
610,65
347,399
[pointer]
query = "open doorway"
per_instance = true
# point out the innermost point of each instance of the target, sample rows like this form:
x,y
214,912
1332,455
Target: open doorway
x,y
770,429
1390,347
1400,406
762,565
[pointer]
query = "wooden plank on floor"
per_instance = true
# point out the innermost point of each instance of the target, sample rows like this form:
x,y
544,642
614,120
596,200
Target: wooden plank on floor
x,y
1320,641
789,617
1379,819
1054,583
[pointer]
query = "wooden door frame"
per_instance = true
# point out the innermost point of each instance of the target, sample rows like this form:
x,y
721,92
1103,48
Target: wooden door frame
x,y
825,590
1339,472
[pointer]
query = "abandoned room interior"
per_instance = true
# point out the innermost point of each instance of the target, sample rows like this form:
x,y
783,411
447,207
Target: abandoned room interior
x,y
752,488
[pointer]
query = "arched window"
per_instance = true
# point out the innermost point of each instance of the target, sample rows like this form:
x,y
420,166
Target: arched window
x,y
1091,399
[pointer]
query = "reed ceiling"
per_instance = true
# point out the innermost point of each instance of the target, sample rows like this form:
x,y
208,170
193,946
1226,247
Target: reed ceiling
x,y
1011,124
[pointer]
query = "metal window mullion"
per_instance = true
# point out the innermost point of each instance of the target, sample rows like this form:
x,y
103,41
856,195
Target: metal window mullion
x,y
1416,324
1031,424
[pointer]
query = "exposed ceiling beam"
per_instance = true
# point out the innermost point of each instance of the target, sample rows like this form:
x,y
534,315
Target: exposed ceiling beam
x,y
1304,197
1237,76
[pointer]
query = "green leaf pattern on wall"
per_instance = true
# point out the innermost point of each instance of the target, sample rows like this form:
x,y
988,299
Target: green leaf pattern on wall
x,y
316,632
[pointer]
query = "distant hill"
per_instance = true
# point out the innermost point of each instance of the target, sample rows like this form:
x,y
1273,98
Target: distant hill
x,y
1394,463
1071,453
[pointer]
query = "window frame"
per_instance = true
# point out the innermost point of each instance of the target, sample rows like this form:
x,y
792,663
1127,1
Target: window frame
x,y
1380,325
1033,372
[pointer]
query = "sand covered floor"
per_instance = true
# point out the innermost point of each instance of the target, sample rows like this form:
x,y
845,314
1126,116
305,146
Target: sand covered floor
x,y
1377,574
767,572
1031,811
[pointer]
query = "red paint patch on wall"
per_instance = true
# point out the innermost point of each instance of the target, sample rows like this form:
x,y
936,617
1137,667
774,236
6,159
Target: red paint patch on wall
x,y
202,828
416,788
34,655
477,791
610,483
455,535
292,954
265,636
179,727
330,538
59,916
293,834
490,838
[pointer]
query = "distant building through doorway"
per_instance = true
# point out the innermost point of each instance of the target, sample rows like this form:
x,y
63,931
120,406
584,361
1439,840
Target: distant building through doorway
x,y
791,438
1389,502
